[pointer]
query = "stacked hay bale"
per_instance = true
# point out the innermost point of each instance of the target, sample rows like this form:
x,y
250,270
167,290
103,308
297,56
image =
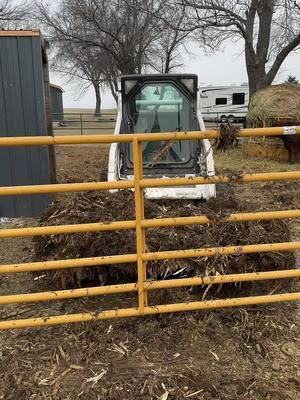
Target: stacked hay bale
x,y
277,105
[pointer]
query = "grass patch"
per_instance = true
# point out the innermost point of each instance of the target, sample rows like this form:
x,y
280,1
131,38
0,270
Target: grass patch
x,y
234,159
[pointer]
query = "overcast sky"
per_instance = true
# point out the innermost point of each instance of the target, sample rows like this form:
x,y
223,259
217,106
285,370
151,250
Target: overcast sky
x,y
224,68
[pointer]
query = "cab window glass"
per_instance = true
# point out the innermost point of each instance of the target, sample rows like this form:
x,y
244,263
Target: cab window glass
x,y
161,107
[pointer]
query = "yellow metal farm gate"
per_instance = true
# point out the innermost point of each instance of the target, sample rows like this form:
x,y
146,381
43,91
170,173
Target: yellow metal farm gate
x,y
139,183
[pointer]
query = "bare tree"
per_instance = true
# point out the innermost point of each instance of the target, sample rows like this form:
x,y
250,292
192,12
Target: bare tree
x,y
125,33
124,29
270,30
86,64
167,51
99,40
111,77
13,15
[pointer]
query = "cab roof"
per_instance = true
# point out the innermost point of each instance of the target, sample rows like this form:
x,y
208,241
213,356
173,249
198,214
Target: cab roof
x,y
180,79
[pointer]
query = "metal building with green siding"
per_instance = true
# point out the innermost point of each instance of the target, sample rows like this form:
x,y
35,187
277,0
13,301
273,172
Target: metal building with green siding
x,y
25,110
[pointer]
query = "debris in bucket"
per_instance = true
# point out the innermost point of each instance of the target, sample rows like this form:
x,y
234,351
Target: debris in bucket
x,y
227,137
106,207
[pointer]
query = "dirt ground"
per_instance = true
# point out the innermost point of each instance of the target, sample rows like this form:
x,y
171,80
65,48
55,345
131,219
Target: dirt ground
x,y
81,163
251,353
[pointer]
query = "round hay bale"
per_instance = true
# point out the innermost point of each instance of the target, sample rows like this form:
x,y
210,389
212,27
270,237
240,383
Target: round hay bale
x,y
274,103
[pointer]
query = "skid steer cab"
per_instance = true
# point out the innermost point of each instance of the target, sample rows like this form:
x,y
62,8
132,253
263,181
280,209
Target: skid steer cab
x,y
162,103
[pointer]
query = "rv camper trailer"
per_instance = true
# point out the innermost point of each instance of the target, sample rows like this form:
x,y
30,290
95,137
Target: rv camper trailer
x,y
224,103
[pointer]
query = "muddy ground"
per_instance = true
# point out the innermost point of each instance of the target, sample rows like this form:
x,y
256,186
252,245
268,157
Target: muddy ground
x,y
251,353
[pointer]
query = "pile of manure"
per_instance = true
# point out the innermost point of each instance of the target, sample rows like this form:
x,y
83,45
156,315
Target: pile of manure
x,y
273,103
106,207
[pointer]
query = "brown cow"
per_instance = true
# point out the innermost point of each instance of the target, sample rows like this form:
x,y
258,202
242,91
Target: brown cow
x,y
291,142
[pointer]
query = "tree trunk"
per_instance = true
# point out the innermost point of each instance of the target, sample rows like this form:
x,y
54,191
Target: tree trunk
x,y
113,88
96,86
167,62
252,74
256,57
257,81
257,78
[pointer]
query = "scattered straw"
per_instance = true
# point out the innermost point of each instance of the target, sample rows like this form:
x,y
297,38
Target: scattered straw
x,y
227,137
106,207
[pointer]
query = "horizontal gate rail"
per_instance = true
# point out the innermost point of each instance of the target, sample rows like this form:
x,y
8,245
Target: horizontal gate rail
x,y
65,188
142,137
221,251
155,256
140,224
148,310
149,285
247,178
221,279
63,229
146,223
148,183
203,219
69,263
68,294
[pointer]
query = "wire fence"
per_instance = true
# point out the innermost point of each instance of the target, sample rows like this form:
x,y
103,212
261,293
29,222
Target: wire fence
x,y
79,123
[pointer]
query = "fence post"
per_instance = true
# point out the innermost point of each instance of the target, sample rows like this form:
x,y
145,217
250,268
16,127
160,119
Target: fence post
x,y
139,215
81,125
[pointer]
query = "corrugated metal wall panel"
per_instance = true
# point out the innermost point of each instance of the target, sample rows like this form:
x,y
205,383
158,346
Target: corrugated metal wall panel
x,y
22,113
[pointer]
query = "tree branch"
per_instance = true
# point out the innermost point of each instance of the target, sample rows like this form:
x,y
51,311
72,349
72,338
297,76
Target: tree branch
x,y
281,57
215,7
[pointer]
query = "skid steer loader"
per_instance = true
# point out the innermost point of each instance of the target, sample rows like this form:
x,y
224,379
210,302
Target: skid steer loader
x,y
162,103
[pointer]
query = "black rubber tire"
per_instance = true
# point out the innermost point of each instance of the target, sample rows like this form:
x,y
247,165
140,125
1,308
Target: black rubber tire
x,y
222,188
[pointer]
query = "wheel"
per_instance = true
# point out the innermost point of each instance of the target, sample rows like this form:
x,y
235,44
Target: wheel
x,y
223,119
231,119
223,189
